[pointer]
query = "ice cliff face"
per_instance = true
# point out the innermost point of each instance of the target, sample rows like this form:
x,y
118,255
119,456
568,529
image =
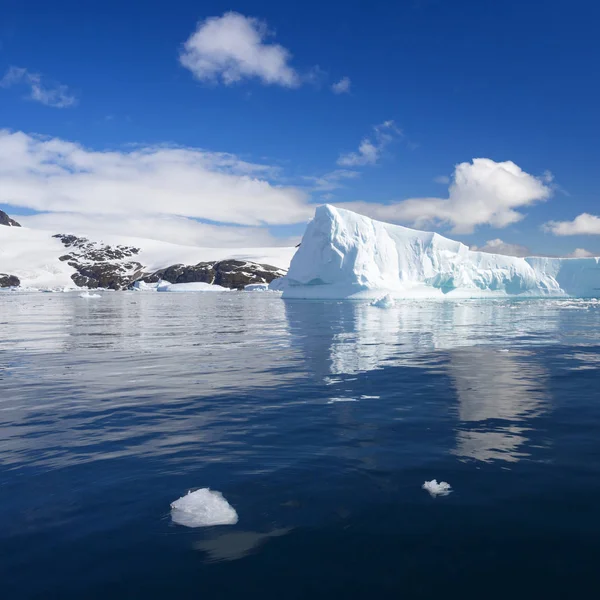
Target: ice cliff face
x,y
346,255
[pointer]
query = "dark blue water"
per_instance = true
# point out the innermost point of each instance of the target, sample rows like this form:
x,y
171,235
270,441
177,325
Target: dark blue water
x,y
318,422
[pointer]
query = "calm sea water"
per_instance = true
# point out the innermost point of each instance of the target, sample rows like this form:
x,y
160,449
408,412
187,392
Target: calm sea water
x,y
319,422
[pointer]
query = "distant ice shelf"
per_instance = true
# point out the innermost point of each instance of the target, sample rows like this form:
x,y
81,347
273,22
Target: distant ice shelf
x,y
347,255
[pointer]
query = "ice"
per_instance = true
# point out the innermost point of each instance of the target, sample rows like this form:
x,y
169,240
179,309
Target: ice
x,y
165,286
256,287
384,302
88,296
346,255
437,489
142,286
203,508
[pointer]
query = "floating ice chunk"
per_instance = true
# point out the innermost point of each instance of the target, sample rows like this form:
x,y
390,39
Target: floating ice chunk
x,y
256,287
87,295
142,286
437,489
203,508
384,302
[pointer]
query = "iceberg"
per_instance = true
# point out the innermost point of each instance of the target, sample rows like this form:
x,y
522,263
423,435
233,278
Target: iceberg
x,y
203,508
347,255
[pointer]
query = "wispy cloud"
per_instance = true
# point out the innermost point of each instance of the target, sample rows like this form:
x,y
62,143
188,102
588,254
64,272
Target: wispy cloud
x,y
48,93
443,179
55,175
342,86
332,180
371,147
232,48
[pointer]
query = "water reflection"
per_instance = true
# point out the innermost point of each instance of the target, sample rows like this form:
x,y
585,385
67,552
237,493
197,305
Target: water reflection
x,y
480,346
499,394
169,375
234,545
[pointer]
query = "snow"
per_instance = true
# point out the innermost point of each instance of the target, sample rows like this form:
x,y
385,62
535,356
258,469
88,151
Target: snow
x,y
346,255
33,256
437,489
256,287
203,508
384,302
165,286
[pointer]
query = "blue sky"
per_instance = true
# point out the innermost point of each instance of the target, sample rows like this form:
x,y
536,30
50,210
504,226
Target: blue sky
x,y
432,84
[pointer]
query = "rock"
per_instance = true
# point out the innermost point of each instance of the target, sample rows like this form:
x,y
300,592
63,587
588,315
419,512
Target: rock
x,y
233,274
112,267
100,265
9,281
6,220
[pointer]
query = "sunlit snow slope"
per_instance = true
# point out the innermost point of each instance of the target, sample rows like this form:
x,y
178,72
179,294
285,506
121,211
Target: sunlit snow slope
x,y
346,255
33,256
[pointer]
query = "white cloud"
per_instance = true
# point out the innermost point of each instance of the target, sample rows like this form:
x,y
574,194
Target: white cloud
x,y
497,246
580,253
51,174
482,192
370,148
342,86
232,48
50,94
331,181
584,224
166,228
443,179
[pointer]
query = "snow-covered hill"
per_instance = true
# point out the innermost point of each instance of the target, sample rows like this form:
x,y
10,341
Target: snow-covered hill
x,y
346,255
41,260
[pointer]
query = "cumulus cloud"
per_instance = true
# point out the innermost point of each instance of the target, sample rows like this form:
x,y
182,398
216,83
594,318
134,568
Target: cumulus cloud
x,y
54,175
50,94
498,246
232,48
342,86
584,224
370,148
482,192
580,253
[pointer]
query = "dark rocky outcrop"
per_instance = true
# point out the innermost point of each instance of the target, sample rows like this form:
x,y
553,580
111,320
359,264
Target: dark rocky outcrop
x,y
9,281
234,274
100,265
6,220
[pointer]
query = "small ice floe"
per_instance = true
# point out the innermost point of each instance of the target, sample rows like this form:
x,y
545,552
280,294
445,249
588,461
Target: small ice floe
x,y
203,508
334,400
504,350
384,302
88,296
256,287
437,489
142,286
